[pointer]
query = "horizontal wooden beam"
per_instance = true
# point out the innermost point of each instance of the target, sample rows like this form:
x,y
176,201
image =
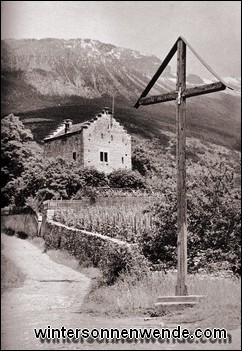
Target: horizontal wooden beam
x,y
203,89
155,99
158,73
200,90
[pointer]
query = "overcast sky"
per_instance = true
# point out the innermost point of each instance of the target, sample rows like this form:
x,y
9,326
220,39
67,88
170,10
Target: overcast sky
x,y
152,27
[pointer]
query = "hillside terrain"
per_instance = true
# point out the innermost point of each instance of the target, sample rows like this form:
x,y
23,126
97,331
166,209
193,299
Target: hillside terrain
x,y
47,80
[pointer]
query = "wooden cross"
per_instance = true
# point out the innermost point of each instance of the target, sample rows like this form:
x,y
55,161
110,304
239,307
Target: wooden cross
x,y
180,95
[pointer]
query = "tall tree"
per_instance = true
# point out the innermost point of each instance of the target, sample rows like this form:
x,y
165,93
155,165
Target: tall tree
x,y
17,149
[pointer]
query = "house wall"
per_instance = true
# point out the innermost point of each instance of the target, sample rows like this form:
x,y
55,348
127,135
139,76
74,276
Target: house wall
x,y
102,134
65,146
107,136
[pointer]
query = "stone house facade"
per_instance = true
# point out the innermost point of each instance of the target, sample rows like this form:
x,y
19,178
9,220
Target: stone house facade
x,y
102,143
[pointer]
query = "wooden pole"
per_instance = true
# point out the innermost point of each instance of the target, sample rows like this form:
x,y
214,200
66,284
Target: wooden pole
x,y
180,96
181,288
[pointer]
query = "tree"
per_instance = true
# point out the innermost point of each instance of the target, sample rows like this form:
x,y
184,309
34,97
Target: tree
x,y
17,149
214,225
140,162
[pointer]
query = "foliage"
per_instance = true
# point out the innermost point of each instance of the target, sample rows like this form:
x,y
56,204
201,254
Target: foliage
x,y
141,162
126,179
213,225
17,150
92,177
130,296
125,220
112,257
51,178
45,180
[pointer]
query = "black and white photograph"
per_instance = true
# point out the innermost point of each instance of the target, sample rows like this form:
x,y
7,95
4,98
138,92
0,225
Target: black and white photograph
x,y
121,175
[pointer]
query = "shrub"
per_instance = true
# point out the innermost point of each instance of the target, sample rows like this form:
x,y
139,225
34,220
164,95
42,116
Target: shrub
x,y
213,223
92,177
111,256
140,162
126,179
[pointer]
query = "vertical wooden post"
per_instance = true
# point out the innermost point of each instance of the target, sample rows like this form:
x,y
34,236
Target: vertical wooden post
x,y
181,288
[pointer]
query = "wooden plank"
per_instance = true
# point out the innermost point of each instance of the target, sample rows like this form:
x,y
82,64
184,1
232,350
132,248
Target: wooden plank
x,y
203,89
155,99
181,288
158,73
187,93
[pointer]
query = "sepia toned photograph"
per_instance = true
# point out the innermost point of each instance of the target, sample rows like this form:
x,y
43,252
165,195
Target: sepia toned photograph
x,y
121,175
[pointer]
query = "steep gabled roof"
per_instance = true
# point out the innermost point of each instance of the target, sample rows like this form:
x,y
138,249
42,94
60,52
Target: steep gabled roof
x,y
73,128
76,128
60,131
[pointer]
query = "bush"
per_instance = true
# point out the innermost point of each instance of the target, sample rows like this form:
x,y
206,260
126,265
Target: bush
x,y
140,162
213,224
92,177
112,257
126,179
51,178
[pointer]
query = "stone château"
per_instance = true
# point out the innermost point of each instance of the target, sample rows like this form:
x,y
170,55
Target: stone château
x,y
102,143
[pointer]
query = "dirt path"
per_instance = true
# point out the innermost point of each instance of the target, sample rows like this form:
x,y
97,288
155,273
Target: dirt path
x,y
52,295
52,291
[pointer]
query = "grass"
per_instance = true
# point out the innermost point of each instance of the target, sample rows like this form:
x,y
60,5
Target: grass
x,y
220,306
11,275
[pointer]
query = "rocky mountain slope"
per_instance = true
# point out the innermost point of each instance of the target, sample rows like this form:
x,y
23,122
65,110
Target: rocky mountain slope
x,y
48,79
79,67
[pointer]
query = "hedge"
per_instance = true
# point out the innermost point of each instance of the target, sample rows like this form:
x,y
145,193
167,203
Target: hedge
x,y
112,256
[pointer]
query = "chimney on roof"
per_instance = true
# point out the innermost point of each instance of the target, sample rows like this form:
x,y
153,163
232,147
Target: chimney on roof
x,y
105,110
68,124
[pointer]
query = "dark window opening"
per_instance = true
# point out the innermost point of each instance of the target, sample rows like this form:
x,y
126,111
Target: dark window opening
x,y
101,156
74,155
111,137
105,156
102,135
122,160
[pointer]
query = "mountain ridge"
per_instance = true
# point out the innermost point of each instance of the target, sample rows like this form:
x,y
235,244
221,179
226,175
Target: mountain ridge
x,y
58,77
